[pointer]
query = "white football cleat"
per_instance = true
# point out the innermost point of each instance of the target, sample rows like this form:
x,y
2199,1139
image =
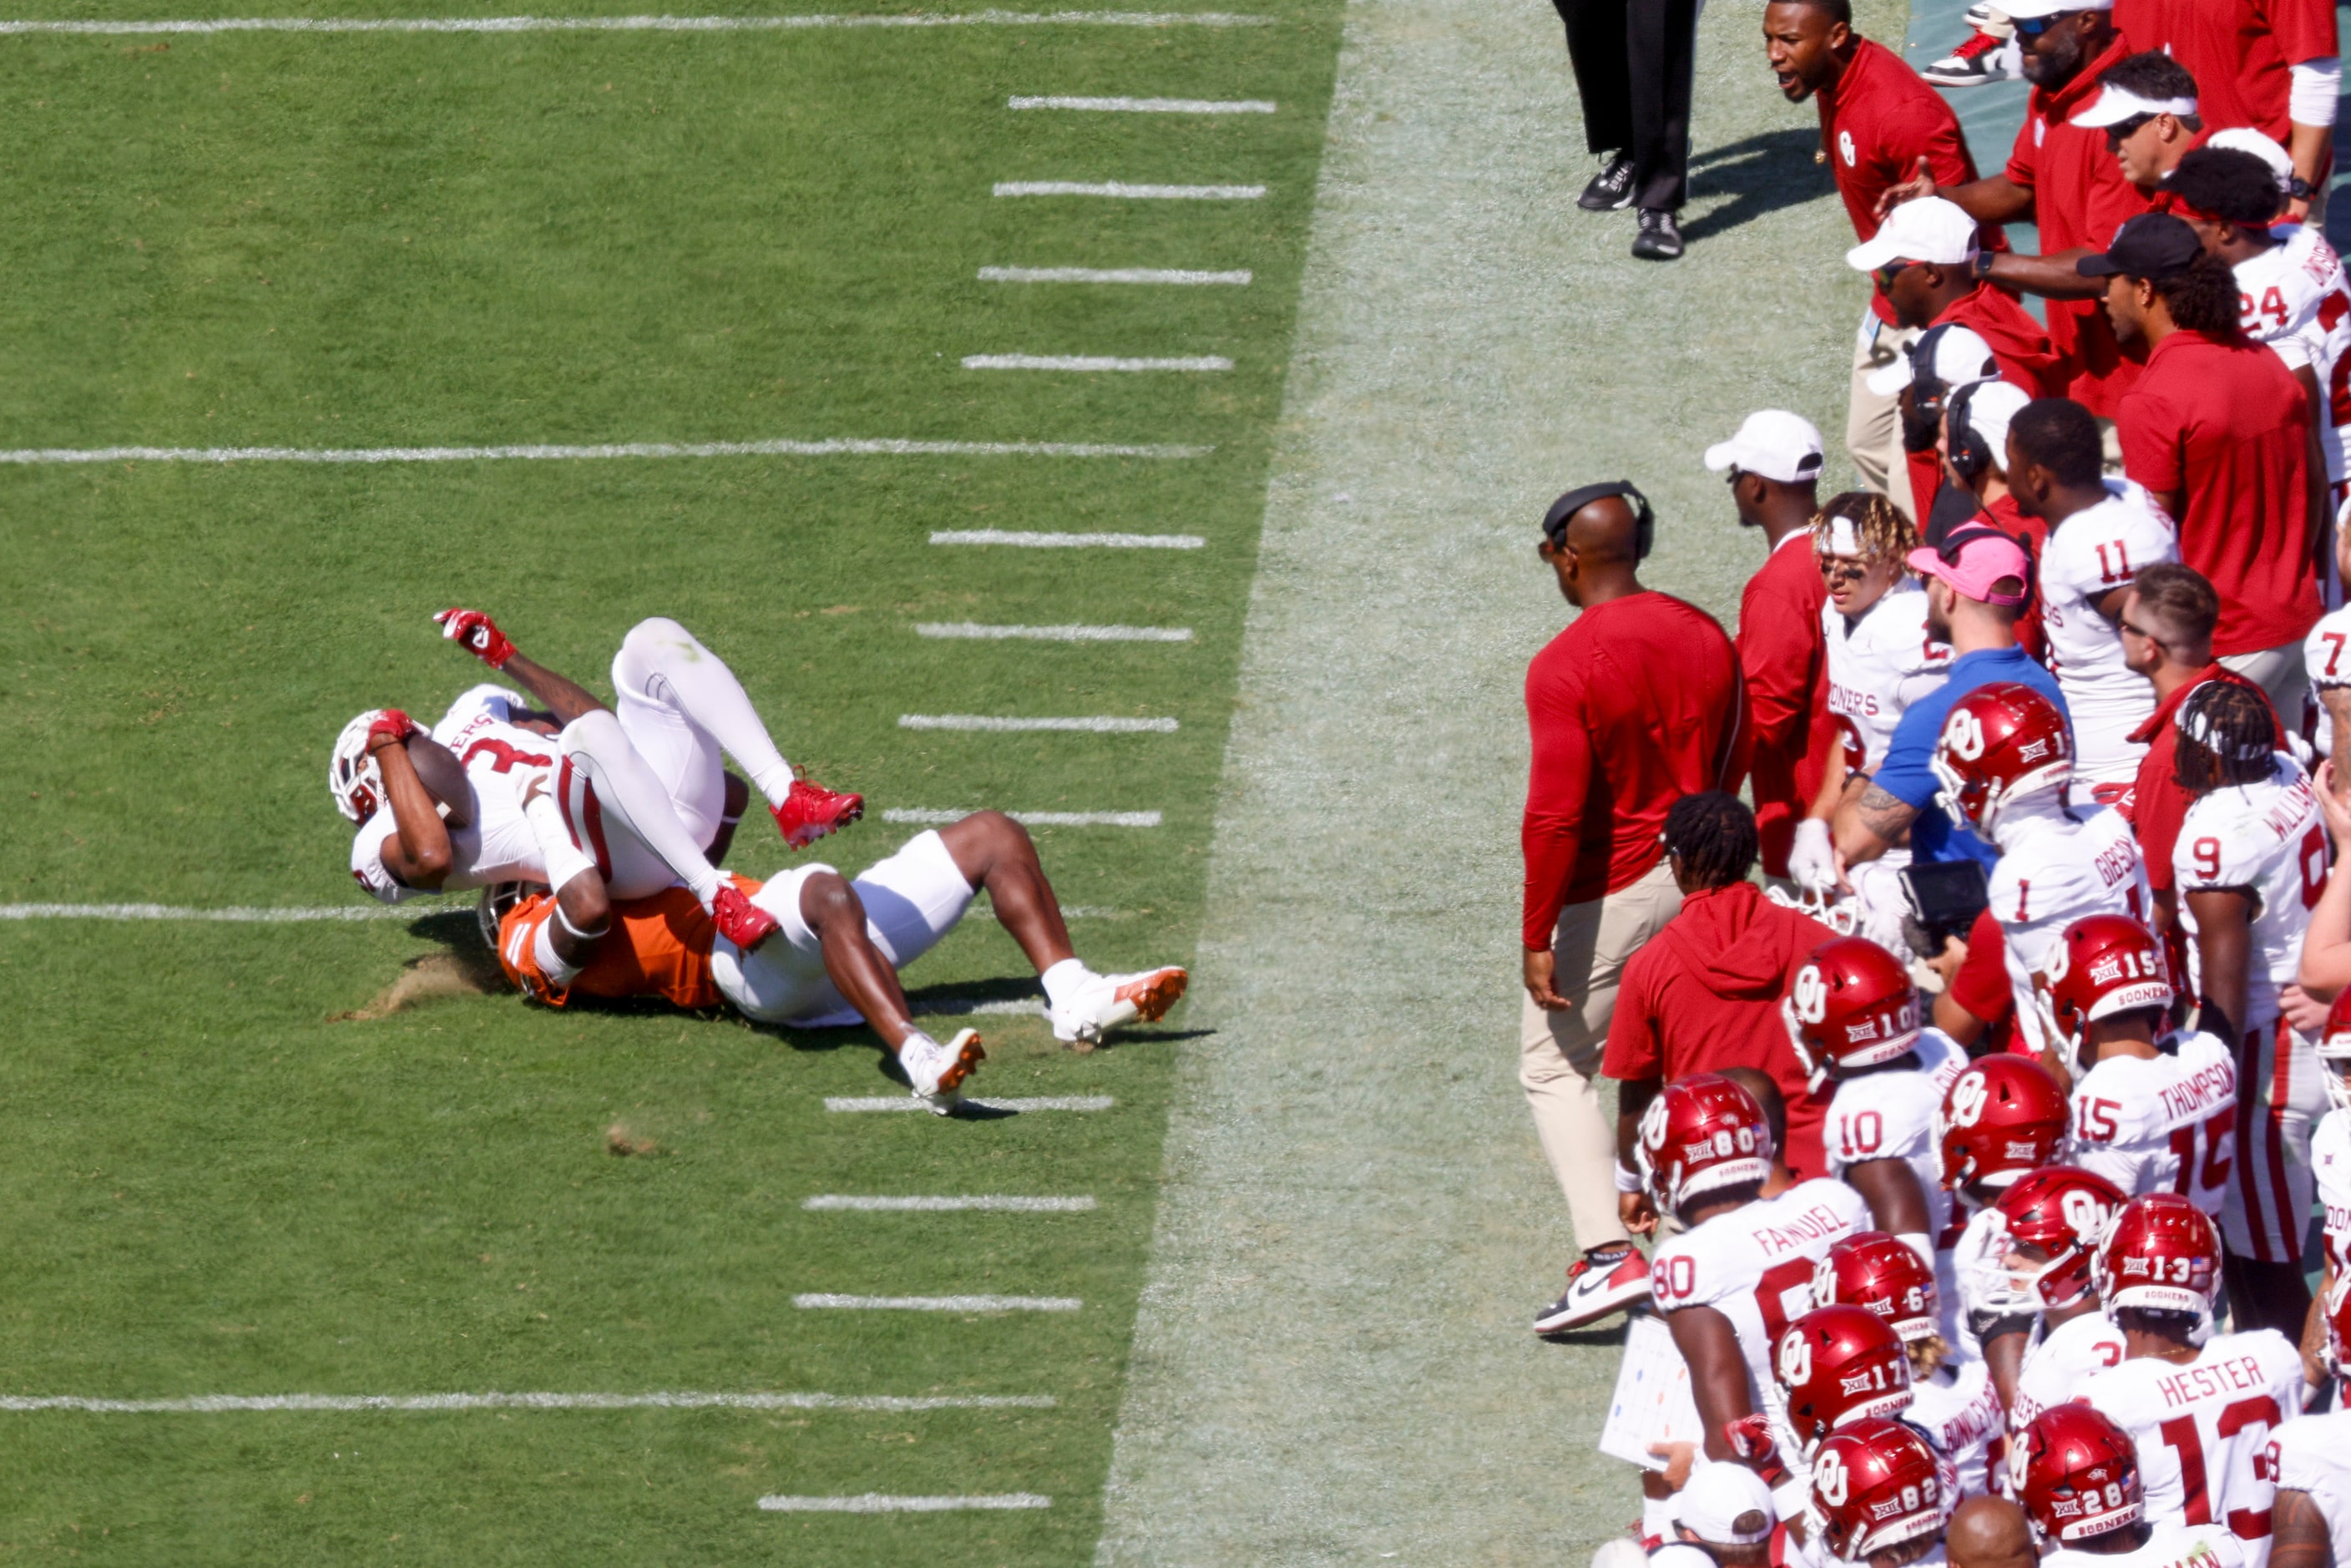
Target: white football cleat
x,y
1106,1001
936,1073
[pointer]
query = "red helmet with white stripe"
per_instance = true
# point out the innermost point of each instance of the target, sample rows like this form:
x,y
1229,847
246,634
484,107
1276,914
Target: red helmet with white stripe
x,y
2162,1255
354,777
2099,966
1839,1365
2000,744
2076,1473
2001,1116
1884,1275
2063,1211
1700,1135
1877,1484
1851,1005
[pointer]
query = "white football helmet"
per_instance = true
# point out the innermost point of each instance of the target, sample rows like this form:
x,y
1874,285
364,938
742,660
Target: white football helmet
x,y
352,776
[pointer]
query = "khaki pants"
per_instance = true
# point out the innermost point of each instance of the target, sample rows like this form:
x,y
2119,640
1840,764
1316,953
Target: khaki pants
x,y
2280,671
1559,1053
1873,423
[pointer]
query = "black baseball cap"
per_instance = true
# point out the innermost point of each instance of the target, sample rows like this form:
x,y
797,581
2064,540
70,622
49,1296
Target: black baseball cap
x,y
2152,245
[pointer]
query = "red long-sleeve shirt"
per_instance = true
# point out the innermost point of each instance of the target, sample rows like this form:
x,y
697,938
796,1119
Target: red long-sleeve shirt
x,y
1785,663
1635,705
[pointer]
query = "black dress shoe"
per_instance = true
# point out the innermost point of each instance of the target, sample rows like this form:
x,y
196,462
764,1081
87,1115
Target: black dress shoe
x,y
1611,189
1660,238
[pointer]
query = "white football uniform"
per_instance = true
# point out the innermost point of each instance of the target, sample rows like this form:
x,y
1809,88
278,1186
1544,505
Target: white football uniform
x,y
2059,1361
2293,297
501,761
2169,1546
2324,655
1889,1115
2330,1167
1959,1409
2203,1427
2052,871
2164,1125
2089,556
1880,662
1754,1265
2313,1454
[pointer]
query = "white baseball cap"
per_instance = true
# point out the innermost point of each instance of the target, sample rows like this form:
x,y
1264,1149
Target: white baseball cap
x,y
2245,139
1955,356
1928,229
1990,406
2028,10
2116,104
1773,443
1726,1505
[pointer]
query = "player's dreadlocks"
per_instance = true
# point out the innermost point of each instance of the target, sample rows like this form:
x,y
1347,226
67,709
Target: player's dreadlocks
x,y
2226,736
1873,524
1713,835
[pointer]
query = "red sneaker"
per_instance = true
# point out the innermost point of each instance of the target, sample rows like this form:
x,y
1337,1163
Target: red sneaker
x,y
811,811
739,920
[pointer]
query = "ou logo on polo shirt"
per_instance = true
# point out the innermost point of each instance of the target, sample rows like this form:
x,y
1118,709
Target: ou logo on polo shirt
x,y
1844,147
2040,129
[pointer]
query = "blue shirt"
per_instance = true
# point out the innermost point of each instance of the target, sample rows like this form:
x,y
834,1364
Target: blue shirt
x,y
1906,774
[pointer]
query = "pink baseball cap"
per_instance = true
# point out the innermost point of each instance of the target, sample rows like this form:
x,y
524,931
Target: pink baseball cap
x,y
1971,558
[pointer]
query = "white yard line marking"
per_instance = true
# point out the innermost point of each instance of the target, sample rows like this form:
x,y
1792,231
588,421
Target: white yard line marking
x,y
643,23
1150,105
1123,192
230,1404
1103,725
960,1007
264,914
858,1103
917,814
1196,362
1056,633
876,1502
1066,541
843,448
951,1205
820,1302
1108,275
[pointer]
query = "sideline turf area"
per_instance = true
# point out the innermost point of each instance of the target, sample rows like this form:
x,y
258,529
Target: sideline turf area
x,y
348,241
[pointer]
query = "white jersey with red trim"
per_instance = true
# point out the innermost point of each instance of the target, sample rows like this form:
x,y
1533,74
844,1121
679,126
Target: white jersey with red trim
x,y
1754,1266
2059,1361
500,760
2324,655
1880,662
1959,1409
2169,1546
2293,297
2167,1123
2203,1428
2089,556
2054,867
1889,1115
2330,1167
2312,1454
2270,838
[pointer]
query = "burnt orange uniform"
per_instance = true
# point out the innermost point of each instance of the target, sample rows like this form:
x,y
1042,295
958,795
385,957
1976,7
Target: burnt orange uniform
x,y
658,947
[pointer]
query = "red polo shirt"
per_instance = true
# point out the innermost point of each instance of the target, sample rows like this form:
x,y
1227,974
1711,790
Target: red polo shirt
x,y
1786,667
2225,425
1635,705
2079,198
2238,51
1877,120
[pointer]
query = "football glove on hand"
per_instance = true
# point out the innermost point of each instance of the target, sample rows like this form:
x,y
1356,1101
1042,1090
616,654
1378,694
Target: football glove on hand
x,y
1811,859
1750,1440
477,635
391,725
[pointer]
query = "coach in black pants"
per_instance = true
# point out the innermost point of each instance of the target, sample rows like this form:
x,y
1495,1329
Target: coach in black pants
x,y
1633,60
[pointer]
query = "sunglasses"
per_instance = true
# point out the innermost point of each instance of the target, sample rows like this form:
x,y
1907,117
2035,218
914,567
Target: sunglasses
x,y
1887,274
2033,27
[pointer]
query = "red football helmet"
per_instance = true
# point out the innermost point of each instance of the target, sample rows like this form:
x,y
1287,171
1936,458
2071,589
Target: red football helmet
x,y
353,776
1701,1134
2334,1053
2002,1116
2065,1212
2076,1473
2000,743
1876,1484
2163,1255
1851,1005
2099,966
1876,1271
1838,1366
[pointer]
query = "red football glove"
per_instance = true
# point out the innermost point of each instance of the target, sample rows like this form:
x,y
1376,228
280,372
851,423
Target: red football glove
x,y
389,725
478,634
1750,1440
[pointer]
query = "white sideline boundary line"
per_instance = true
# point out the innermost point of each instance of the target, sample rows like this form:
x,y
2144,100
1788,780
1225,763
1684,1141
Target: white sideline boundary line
x,y
840,448
1055,633
994,725
266,915
817,1300
1122,190
1028,540
1198,363
862,1102
992,1203
236,1403
1150,105
926,815
1237,279
989,19
878,1502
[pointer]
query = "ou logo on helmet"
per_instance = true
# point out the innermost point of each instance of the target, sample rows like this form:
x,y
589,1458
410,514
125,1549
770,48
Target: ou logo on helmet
x,y
1795,1361
2086,1214
1829,1481
1968,1096
1812,996
1963,736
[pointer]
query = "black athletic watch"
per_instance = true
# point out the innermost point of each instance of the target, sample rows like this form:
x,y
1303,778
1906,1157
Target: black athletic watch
x,y
2299,188
1984,265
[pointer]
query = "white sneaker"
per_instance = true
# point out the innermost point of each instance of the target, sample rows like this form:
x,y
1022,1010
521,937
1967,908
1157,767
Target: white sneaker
x,y
1107,1002
936,1073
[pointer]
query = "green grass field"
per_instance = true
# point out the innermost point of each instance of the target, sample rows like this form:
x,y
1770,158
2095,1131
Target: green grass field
x,y
345,241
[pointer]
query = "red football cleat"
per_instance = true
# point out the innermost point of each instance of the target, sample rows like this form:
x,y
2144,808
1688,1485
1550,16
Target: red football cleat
x,y
811,811
739,920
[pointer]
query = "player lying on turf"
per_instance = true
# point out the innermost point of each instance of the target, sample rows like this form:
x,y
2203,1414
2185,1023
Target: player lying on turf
x,y
835,960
